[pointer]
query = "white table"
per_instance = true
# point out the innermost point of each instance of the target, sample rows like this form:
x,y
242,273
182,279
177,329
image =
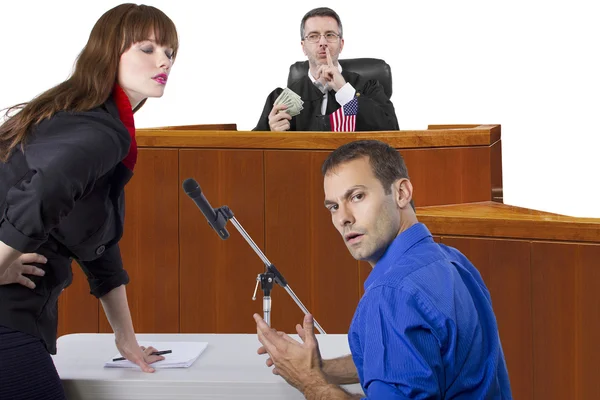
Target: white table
x,y
229,368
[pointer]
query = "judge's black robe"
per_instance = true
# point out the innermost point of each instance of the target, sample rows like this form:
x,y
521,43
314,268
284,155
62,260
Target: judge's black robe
x,y
375,110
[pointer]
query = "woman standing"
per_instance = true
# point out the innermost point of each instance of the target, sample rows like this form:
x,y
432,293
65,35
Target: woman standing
x,y
65,158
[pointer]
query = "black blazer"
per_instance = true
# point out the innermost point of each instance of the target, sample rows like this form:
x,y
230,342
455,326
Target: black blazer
x,y
375,110
63,197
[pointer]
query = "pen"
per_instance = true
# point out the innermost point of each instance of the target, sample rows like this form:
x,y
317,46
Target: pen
x,y
156,353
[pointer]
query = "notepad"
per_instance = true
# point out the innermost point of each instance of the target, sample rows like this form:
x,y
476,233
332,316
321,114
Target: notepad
x,y
183,355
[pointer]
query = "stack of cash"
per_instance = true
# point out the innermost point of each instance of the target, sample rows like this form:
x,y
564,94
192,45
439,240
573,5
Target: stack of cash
x,y
291,100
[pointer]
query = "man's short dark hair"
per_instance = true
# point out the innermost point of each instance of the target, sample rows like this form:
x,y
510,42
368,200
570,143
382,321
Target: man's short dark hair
x,y
386,162
321,12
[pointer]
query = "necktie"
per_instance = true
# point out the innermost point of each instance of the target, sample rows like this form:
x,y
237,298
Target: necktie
x,y
332,103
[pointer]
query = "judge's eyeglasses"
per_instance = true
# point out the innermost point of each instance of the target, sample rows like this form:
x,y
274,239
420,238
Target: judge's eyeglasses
x,y
315,37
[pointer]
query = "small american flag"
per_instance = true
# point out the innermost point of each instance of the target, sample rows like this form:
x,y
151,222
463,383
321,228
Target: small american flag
x,y
344,119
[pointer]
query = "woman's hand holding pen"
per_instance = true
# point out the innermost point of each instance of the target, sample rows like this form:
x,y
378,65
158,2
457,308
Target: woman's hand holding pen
x,y
140,355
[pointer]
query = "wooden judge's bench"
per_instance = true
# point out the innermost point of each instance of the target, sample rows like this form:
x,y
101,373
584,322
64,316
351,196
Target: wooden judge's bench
x,y
543,270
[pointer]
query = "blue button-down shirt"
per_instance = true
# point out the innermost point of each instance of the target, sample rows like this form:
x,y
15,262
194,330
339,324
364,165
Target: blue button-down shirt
x,y
425,328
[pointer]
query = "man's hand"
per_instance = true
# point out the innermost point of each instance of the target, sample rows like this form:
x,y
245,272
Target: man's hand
x,y
140,355
298,363
299,330
330,74
15,273
279,120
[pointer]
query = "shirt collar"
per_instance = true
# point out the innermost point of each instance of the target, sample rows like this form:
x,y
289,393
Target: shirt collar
x,y
322,88
401,244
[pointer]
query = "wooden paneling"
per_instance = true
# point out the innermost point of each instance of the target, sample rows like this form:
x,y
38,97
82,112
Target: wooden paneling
x,y
566,325
502,221
505,268
542,269
496,171
549,331
449,176
150,243
493,129
305,246
218,276
482,135
77,308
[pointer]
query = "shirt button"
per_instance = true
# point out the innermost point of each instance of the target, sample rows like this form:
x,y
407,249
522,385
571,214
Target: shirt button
x,y
100,250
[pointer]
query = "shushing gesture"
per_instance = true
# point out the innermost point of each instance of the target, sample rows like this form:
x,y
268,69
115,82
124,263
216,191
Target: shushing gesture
x,y
330,74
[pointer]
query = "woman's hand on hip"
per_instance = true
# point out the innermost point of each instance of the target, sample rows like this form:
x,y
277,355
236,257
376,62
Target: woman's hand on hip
x,y
17,271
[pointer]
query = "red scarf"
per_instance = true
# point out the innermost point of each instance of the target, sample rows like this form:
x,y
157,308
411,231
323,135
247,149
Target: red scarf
x,y
126,116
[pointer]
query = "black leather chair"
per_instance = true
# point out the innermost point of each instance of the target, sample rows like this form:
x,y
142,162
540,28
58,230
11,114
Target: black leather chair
x,y
369,68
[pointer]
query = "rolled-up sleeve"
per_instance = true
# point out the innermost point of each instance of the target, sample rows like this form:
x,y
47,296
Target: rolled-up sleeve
x,y
400,342
65,157
105,273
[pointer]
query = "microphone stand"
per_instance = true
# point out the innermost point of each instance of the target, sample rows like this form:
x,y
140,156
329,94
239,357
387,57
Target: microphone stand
x,y
267,278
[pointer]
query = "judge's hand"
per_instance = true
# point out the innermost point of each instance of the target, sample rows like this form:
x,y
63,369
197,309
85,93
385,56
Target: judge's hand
x,y
15,273
279,120
330,74
140,355
298,363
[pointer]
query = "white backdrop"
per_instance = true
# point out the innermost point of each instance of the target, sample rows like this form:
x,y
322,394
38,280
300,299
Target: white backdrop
x,y
532,67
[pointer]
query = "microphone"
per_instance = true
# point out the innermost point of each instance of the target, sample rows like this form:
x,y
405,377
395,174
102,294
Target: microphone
x,y
215,219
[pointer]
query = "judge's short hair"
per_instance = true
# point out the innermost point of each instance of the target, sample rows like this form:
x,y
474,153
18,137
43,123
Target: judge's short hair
x,y
321,12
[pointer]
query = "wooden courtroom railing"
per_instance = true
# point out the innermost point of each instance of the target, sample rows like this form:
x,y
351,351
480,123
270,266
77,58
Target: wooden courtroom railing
x,y
185,279
543,273
542,269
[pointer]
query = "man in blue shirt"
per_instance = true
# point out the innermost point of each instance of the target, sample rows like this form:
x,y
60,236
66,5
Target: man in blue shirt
x,y
425,327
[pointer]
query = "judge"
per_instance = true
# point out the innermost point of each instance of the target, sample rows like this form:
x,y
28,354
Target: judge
x,y
327,87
